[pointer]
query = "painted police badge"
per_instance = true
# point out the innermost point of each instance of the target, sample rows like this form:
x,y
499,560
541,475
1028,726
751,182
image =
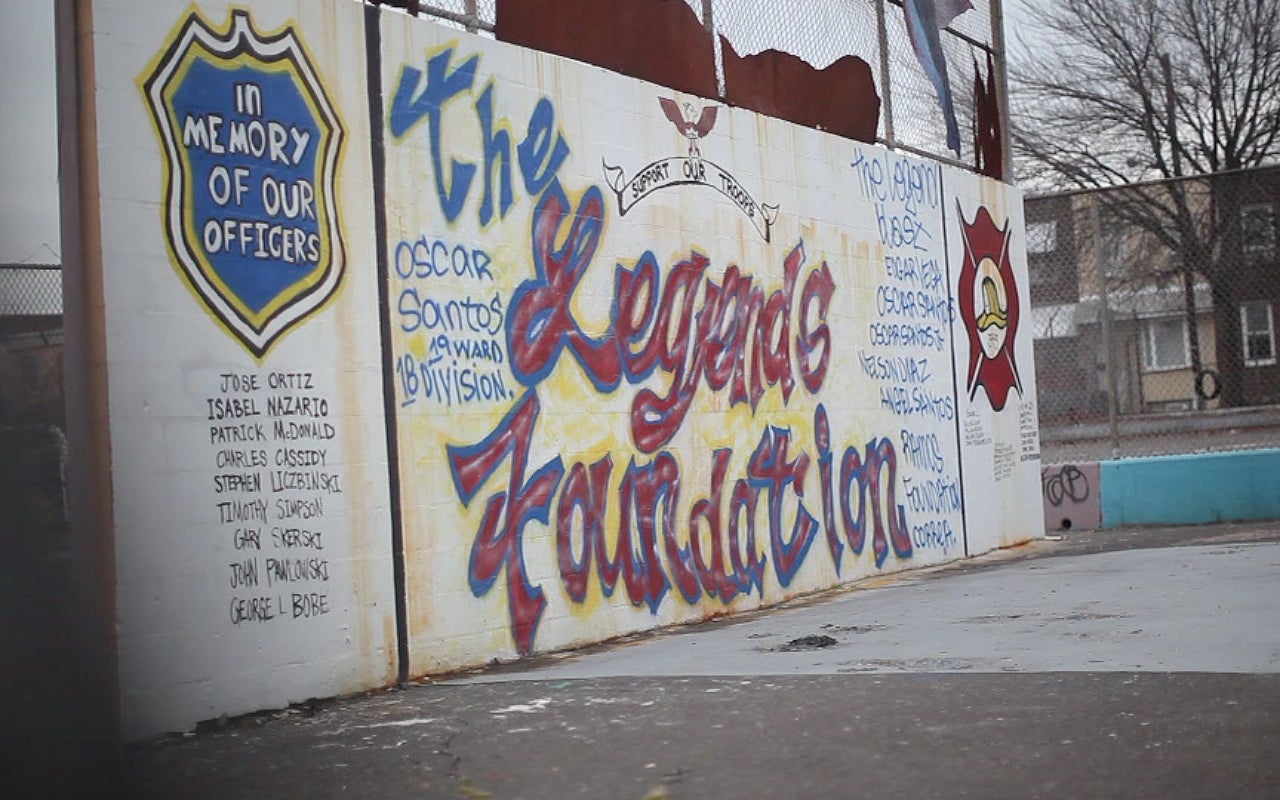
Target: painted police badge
x,y
251,144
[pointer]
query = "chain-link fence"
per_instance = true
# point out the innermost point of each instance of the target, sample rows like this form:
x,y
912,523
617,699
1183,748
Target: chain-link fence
x,y
920,83
30,344
30,290
1154,315
470,15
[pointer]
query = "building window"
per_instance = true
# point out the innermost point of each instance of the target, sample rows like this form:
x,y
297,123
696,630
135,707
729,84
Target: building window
x,y
1165,343
1258,330
1042,237
1258,232
1115,252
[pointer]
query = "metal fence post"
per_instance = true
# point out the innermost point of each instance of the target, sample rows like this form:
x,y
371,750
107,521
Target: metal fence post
x,y
1002,87
882,34
709,23
1104,317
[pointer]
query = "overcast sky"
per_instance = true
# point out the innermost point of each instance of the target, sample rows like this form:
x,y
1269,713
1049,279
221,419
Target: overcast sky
x,y
28,134
1017,23
28,128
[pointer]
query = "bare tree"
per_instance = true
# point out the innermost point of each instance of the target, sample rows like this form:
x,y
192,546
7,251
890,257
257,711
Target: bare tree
x,y
1153,95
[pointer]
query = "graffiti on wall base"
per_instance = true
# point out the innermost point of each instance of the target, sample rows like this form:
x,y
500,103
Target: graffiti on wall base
x,y
1071,496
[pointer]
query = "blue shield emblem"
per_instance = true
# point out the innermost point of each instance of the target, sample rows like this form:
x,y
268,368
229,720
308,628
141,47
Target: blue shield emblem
x,y
251,144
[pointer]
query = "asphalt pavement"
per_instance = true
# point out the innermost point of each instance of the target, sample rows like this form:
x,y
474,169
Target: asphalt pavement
x,y
1138,663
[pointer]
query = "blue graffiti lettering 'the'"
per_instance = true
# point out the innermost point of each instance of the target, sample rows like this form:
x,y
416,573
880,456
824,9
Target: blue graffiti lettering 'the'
x,y
540,154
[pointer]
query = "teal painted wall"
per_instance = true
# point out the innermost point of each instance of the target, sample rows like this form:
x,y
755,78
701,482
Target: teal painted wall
x,y
1191,489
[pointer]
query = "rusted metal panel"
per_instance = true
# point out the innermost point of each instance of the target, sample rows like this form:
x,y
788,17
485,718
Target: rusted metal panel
x,y
660,41
841,98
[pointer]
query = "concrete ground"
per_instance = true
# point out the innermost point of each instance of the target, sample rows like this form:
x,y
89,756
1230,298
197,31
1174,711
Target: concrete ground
x,y
1135,663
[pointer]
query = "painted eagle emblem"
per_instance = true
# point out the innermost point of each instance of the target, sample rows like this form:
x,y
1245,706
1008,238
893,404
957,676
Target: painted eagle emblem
x,y
685,123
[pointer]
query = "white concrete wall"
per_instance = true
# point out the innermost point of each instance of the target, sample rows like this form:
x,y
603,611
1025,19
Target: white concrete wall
x,y
885,230
996,397
592,439
192,643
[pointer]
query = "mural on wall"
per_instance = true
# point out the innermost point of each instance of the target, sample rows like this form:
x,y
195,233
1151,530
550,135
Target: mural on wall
x,y
999,429
251,143
904,349
731,348
628,419
989,308
740,336
570,394
247,446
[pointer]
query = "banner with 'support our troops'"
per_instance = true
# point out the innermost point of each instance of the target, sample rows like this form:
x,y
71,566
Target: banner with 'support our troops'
x,y
616,357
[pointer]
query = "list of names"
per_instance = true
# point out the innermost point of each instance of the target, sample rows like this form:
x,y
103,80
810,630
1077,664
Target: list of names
x,y
273,445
